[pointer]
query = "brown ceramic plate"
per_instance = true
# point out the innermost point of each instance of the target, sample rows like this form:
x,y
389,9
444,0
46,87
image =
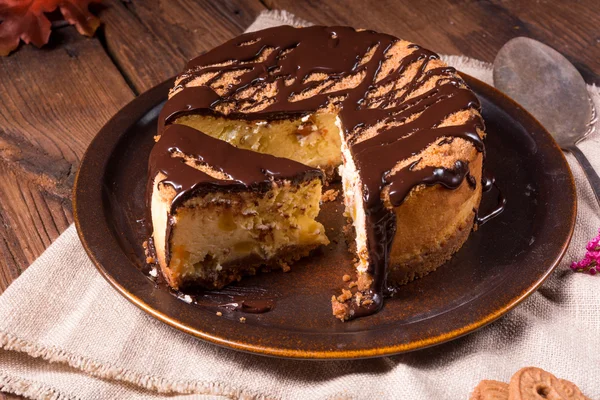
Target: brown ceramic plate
x,y
500,265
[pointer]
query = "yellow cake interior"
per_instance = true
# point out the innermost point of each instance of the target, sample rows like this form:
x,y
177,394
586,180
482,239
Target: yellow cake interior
x,y
312,140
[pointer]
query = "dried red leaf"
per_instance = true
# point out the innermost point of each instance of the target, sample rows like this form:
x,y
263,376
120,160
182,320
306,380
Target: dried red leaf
x,y
25,20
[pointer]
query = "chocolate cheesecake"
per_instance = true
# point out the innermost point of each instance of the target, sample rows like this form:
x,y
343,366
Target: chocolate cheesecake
x,y
402,126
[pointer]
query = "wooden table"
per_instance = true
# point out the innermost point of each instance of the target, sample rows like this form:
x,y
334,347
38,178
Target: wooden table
x,y
54,100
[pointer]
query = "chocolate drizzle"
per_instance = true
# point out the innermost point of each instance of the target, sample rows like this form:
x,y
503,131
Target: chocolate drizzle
x,y
249,300
250,306
273,70
242,169
488,181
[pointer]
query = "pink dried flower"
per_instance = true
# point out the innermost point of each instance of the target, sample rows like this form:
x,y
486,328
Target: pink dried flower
x,y
590,263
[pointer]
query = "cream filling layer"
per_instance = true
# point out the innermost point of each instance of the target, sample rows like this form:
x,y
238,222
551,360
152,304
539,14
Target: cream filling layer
x,y
353,201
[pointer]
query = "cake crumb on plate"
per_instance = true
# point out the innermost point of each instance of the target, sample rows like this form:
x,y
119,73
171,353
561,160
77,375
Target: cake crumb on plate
x,y
330,195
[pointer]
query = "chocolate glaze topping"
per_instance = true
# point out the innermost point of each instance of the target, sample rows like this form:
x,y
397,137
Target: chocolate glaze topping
x,y
249,300
285,58
243,168
488,181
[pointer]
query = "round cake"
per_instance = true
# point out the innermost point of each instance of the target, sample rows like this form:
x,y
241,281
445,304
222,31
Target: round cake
x,y
255,127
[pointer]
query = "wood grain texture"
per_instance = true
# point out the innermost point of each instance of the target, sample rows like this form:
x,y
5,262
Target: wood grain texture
x,y
151,40
470,27
53,101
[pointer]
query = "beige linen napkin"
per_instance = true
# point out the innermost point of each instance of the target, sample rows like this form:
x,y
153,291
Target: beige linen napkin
x,y
65,333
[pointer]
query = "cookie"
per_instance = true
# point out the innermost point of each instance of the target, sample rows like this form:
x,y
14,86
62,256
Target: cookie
x,y
490,390
536,384
571,386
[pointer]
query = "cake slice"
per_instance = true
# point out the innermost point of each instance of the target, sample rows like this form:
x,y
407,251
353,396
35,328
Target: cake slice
x,y
219,212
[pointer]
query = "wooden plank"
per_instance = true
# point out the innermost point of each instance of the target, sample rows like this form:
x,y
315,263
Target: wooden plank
x,y
30,219
473,28
52,102
151,40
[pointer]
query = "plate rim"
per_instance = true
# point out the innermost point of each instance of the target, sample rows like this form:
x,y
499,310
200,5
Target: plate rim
x,y
79,189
